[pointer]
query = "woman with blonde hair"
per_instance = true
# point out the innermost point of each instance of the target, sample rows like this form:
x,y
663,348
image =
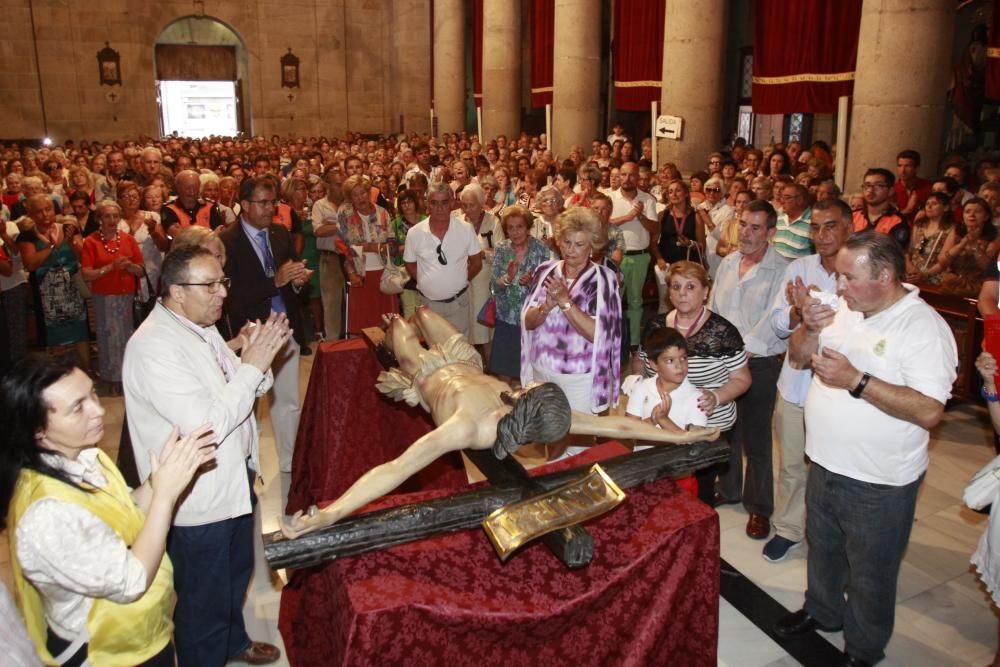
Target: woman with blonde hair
x,y
367,229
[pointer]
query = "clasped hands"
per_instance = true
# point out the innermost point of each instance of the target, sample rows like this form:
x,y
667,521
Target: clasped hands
x,y
292,272
556,292
511,274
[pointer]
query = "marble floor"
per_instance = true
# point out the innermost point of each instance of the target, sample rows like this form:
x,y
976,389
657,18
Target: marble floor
x,y
943,614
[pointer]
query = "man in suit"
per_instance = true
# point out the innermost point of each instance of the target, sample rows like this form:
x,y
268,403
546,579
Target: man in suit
x,y
266,276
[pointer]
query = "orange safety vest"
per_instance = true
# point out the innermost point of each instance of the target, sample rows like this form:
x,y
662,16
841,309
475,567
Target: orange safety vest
x,y
283,216
202,218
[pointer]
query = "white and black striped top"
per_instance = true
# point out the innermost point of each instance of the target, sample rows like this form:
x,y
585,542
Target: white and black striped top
x,y
715,351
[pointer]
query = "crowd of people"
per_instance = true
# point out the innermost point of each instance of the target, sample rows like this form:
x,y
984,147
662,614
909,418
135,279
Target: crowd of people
x,y
772,288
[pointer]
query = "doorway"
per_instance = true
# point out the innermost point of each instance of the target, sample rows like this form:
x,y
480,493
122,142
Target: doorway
x,y
200,64
198,108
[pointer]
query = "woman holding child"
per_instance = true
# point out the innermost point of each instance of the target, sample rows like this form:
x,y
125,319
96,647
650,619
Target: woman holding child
x,y
716,358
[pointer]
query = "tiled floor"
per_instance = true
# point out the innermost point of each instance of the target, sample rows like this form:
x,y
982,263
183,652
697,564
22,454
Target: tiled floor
x,y
943,614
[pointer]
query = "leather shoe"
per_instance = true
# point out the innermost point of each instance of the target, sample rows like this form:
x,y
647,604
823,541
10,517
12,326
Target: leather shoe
x,y
854,661
758,526
719,500
799,623
259,653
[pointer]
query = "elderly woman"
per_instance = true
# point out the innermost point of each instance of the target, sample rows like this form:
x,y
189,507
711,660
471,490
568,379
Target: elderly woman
x,y
589,178
51,255
366,228
111,262
550,205
712,213
717,360
145,227
491,187
514,264
490,234
571,319
970,247
88,557
80,179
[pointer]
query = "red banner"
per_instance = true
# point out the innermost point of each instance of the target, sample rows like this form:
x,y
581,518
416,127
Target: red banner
x,y
638,53
543,26
477,51
797,70
993,55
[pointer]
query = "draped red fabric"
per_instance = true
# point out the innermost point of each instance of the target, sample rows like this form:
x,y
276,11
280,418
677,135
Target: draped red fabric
x,y
993,55
477,51
638,53
541,52
798,70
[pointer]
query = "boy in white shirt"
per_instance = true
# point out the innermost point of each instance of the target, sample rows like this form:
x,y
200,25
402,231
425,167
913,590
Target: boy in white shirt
x,y
667,400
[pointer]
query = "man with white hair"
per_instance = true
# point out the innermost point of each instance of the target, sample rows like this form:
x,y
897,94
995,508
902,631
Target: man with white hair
x,y
189,209
489,233
150,166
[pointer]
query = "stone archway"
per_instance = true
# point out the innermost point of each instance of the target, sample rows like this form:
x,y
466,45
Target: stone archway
x,y
203,49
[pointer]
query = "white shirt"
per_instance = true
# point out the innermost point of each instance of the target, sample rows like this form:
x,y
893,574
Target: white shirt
x,y
18,276
746,301
636,234
325,213
683,404
435,280
793,383
906,344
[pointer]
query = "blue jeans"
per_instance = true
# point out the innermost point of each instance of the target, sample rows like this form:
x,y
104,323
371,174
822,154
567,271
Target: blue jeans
x,y
857,533
212,568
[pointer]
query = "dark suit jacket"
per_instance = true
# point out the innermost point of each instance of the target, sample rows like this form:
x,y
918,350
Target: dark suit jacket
x,y
250,295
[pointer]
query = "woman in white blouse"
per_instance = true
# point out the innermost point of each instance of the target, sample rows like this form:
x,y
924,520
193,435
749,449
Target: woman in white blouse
x,y
93,583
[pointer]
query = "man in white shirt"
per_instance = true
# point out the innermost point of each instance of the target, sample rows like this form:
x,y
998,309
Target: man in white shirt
x,y
747,283
883,364
830,227
179,371
634,212
444,254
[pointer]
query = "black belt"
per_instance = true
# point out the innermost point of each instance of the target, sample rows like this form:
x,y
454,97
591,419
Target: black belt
x,y
449,299
630,253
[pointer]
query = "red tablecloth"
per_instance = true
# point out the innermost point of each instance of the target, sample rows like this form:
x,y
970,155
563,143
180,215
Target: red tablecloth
x,y
347,428
649,597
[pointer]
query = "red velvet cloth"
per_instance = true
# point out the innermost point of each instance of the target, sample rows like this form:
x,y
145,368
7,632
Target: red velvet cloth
x,y
638,53
649,597
366,304
543,27
993,55
477,52
345,431
798,70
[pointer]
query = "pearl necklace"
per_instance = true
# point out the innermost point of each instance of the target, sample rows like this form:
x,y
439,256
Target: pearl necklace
x,y
116,244
686,330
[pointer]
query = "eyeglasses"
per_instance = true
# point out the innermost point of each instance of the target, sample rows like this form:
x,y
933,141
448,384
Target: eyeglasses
x,y
266,203
441,258
873,186
715,162
713,189
213,286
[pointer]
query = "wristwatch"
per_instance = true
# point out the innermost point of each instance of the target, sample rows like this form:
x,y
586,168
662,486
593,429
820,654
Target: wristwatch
x,y
857,391
565,306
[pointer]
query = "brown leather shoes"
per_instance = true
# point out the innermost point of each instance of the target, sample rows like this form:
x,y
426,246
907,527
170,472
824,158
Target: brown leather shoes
x,y
259,653
758,526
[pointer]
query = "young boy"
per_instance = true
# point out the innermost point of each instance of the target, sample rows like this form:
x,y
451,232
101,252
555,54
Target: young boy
x,y
668,399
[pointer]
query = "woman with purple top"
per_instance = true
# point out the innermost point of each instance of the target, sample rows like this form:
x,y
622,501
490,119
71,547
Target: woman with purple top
x,y
571,319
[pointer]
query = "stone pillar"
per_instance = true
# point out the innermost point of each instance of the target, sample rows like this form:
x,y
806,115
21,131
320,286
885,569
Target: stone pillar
x,y
576,75
904,60
694,51
501,69
449,64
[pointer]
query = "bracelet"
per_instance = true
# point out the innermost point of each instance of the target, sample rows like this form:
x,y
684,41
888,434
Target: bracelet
x,y
716,396
857,391
988,397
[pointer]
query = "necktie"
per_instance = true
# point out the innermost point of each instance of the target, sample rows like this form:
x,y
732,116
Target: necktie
x,y
265,249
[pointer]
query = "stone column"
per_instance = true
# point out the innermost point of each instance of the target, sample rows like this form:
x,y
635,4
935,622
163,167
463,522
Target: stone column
x,y
576,75
694,50
904,60
449,64
501,69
